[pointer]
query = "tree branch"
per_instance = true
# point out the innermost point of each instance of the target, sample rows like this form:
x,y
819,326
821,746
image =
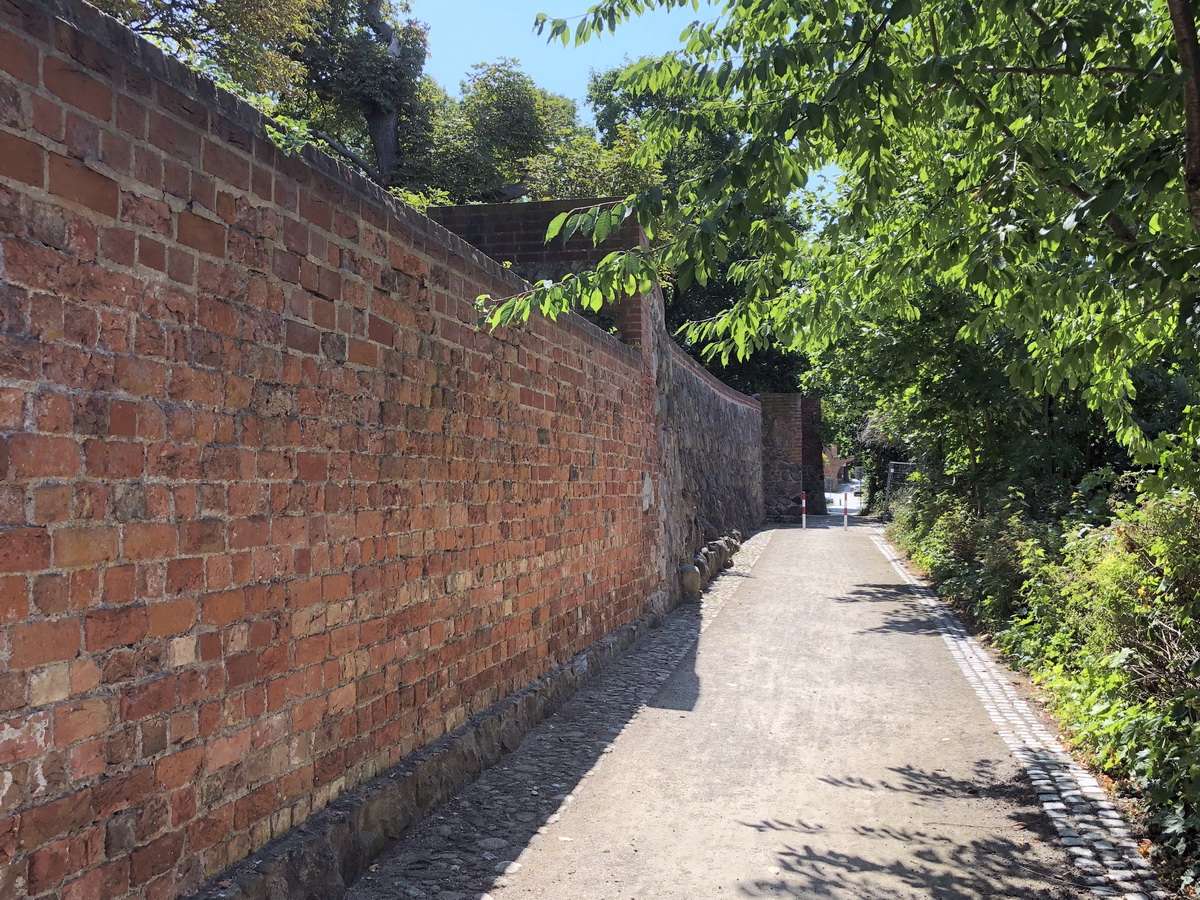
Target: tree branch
x,y
342,150
1058,71
1114,222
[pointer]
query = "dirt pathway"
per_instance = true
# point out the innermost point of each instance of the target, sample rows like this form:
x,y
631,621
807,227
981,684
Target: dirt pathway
x,y
830,735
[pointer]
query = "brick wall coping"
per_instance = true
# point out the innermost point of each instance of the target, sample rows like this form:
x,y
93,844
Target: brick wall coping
x,y
441,244
681,355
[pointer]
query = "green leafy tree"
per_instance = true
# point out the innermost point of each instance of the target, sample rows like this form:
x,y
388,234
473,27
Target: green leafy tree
x,y
901,387
483,142
582,167
621,105
1042,156
619,102
249,40
363,87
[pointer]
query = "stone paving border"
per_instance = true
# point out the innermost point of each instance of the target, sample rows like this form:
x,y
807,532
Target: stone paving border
x,y
1091,827
324,856
471,844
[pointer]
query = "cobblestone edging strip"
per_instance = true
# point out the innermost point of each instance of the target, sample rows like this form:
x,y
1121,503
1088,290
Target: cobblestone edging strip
x,y
1091,828
471,845
326,855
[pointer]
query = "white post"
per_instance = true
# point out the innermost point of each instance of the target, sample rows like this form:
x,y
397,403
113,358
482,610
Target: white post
x,y
845,510
804,509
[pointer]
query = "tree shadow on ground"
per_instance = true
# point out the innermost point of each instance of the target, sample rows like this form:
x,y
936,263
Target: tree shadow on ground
x,y
463,849
908,617
937,785
931,859
914,864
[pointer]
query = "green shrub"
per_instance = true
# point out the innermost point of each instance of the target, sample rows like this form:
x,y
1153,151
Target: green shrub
x,y
1106,617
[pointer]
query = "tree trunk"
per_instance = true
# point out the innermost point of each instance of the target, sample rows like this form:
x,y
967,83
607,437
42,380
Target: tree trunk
x,y
1048,419
383,122
1183,21
382,127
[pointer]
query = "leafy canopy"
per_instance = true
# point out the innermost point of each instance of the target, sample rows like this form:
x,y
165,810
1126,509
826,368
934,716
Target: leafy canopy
x,y
1032,154
249,39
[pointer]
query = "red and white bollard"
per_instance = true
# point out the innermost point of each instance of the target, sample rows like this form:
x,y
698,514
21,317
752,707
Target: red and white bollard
x,y
804,509
845,510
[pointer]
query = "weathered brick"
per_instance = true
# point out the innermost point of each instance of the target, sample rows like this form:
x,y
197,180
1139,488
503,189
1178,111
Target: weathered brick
x,y
155,858
48,866
22,160
77,88
229,166
224,607
150,540
180,768
150,699
43,824
24,738
303,338
81,720
24,549
19,57
86,546
14,598
126,791
42,456
39,643
75,182
202,234
109,628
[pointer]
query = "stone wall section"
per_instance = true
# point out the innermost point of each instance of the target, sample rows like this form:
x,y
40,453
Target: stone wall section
x,y
792,455
710,440
274,513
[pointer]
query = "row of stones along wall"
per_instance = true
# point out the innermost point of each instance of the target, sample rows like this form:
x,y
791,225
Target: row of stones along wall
x,y
273,513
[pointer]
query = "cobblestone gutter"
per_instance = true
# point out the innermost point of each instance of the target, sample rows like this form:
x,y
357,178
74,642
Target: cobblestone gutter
x,y
320,859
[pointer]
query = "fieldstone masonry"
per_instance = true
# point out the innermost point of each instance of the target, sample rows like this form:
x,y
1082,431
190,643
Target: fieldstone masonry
x,y
275,515
792,455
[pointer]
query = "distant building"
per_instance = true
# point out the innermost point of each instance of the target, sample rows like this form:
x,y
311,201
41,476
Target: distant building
x,y
837,467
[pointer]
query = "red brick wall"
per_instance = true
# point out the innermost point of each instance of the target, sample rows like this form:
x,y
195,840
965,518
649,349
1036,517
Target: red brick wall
x,y
515,233
273,512
709,435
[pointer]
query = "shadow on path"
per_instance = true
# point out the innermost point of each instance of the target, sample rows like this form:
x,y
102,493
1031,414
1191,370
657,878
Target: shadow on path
x,y
465,848
923,858
912,864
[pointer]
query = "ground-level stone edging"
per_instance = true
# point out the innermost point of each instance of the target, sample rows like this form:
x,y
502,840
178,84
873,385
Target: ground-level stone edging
x,y
469,846
323,858
1089,824
328,853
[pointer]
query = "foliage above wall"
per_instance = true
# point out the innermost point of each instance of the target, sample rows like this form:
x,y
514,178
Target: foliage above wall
x,y
1044,158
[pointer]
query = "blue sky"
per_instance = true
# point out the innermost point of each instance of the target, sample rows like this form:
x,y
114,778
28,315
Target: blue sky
x,y
465,32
